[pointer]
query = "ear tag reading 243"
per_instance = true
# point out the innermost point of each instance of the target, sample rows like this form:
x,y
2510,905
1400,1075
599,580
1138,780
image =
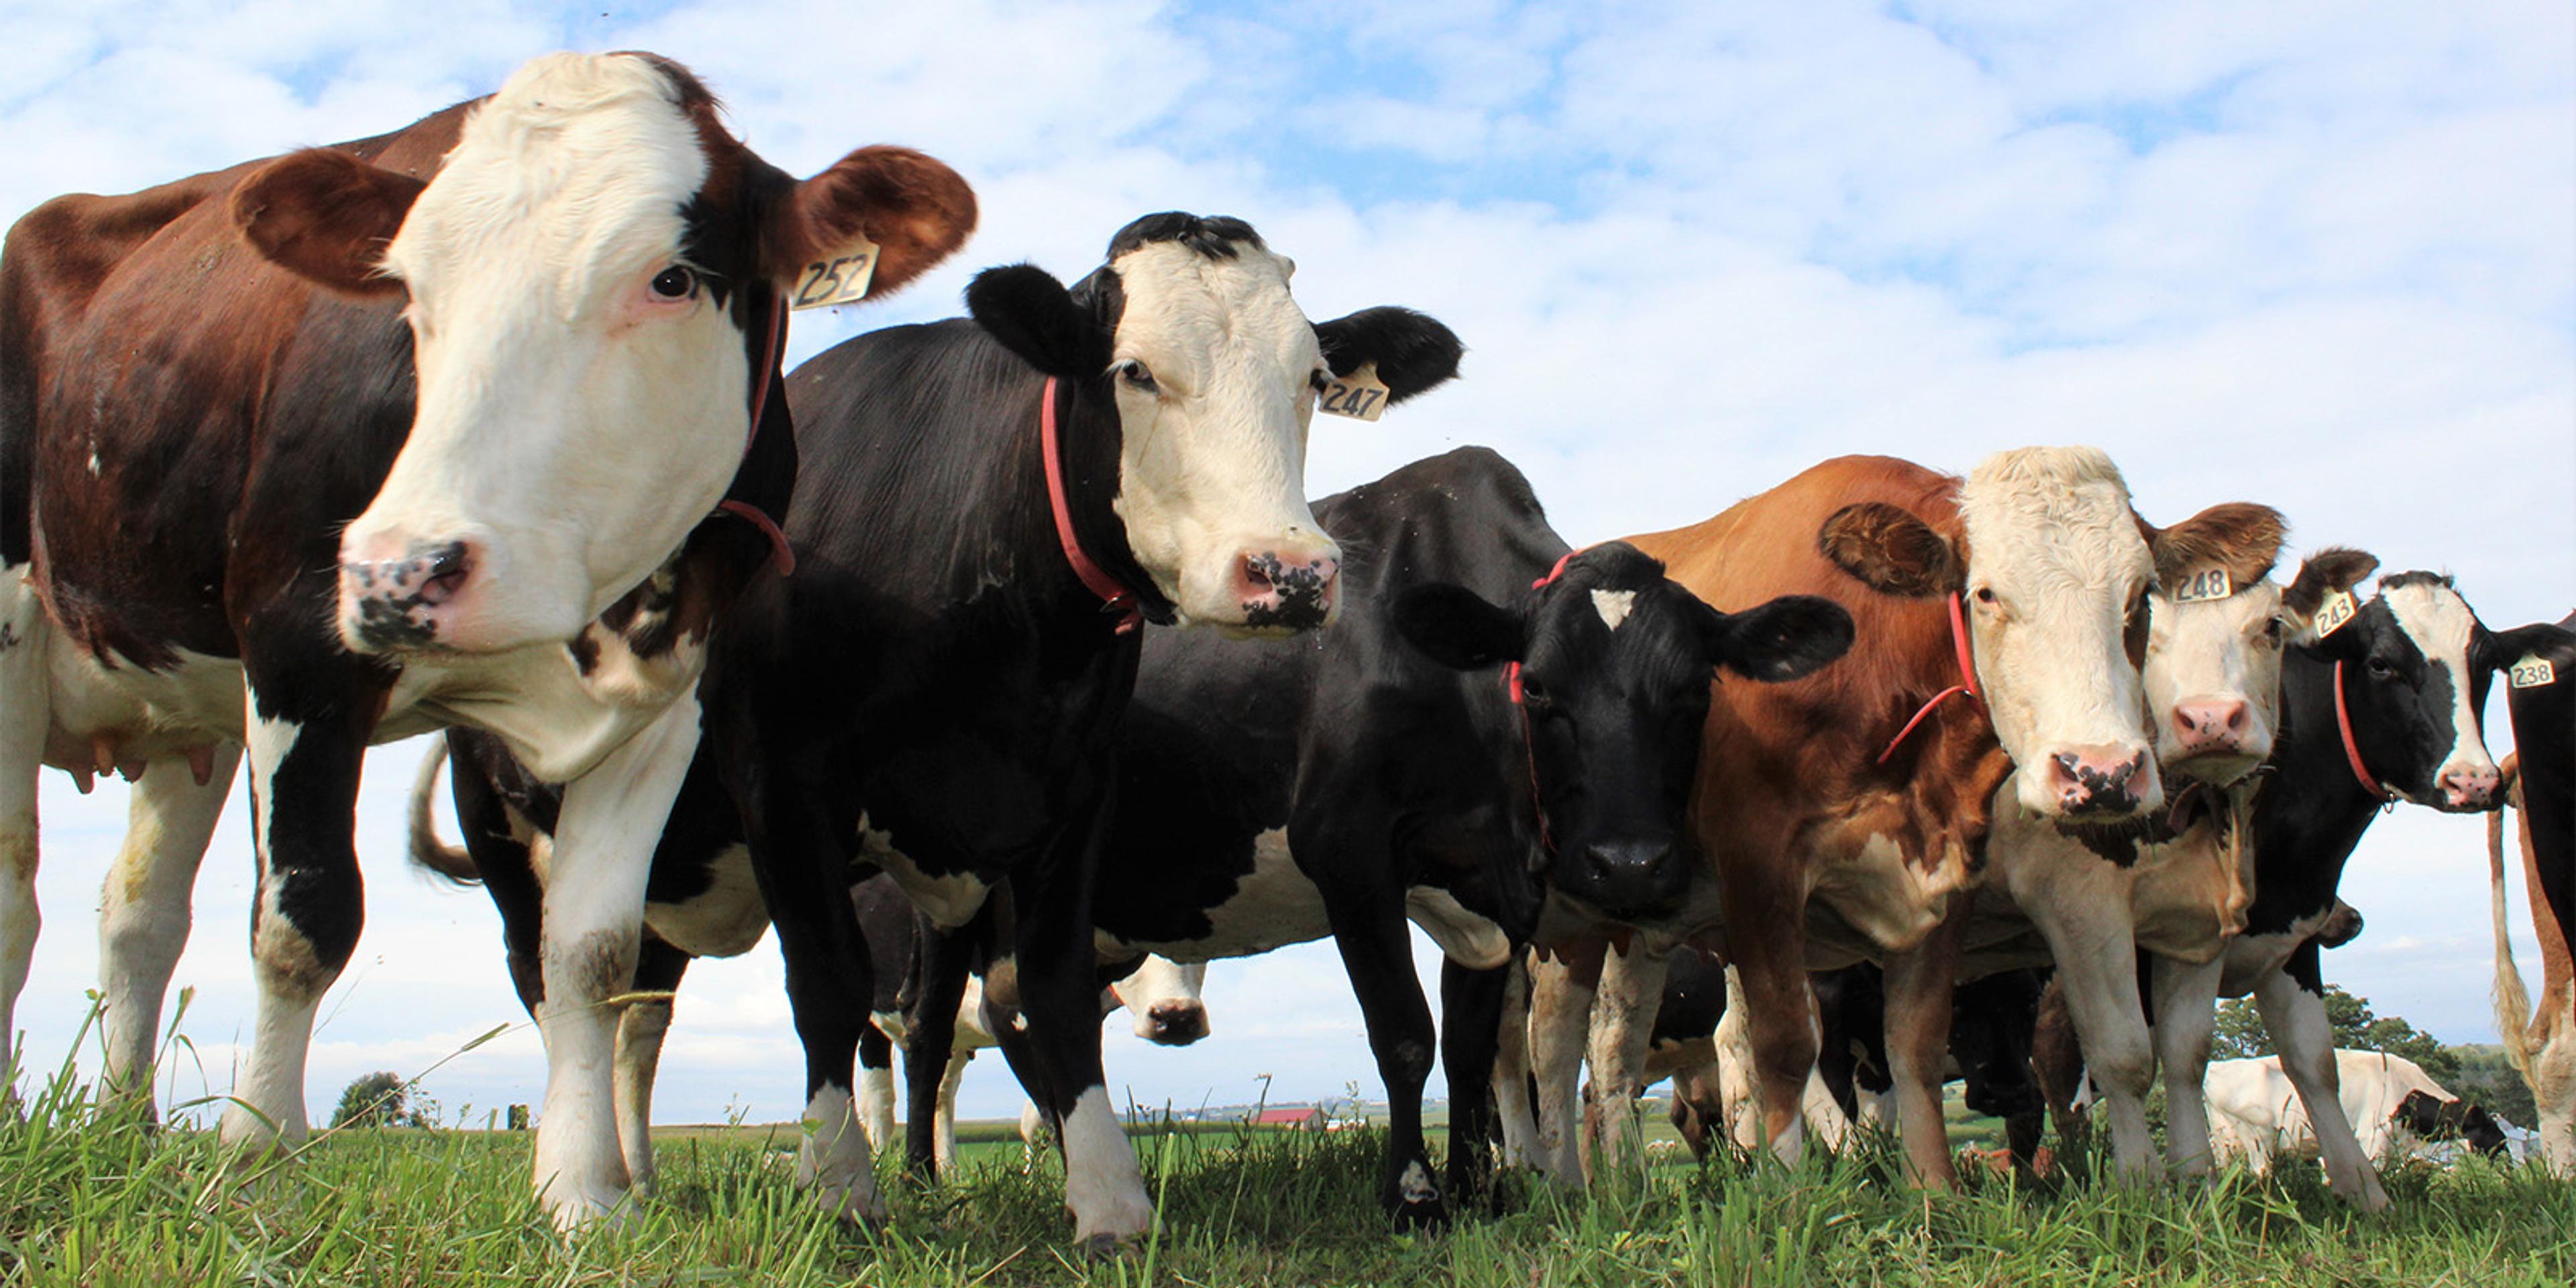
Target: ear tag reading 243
x,y
1359,395
842,279
2531,672
2203,586
2337,609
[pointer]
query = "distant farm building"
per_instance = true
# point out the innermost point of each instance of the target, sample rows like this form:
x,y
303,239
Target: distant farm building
x,y
1306,1119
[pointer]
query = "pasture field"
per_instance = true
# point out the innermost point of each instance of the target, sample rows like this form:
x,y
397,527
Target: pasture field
x,y
92,1200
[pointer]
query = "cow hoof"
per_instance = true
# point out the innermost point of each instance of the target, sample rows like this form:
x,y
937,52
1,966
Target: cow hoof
x,y
854,1205
590,1212
1421,1213
1103,1247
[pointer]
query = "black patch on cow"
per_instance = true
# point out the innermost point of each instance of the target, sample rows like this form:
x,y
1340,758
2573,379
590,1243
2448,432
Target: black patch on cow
x,y
1212,236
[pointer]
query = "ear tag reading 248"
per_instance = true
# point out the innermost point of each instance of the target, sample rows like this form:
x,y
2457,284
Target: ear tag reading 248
x,y
2337,609
1359,395
2205,585
2531,672
842,279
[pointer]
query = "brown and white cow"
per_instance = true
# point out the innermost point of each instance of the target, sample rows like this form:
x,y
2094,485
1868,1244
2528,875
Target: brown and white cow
x,y
2540,690
2001,620
466,424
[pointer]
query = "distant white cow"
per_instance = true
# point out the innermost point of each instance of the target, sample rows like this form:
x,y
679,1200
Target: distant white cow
x,y
2254,1112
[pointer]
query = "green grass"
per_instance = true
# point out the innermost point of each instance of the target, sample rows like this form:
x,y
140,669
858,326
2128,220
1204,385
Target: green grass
x,y
88,1198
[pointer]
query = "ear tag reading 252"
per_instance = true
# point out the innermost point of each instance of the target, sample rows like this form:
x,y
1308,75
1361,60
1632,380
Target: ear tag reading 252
x,y
2337,609
1359,395
2531,672
842,279
2203,586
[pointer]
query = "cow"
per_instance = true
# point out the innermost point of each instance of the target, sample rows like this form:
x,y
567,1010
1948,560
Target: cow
x,y
467,424
2540,694
1999,620
2256,1112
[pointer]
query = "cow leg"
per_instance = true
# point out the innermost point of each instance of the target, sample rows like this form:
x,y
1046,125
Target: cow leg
x,y
26,713
639,1055
509,873
2186,1002
611,821
1623,1026
2057,1063
1060,999
1471,1007
1779,1013
1919,993
1562,984
930,1043
2292,1000
143,915
307,739
1511,1083
1377,953
2100,979
876,1087
943,1143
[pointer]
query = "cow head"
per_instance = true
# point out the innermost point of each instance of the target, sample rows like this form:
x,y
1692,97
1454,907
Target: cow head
x,y
2217,628
1614,668
2054,568
2415,668
2430,1117
1198,360
591,276
1162,997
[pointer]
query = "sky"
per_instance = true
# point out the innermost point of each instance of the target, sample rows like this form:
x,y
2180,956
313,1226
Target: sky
x,y
2317,255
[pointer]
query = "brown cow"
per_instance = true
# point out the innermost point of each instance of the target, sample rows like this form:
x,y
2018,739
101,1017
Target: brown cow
x,y
466,424
2541,692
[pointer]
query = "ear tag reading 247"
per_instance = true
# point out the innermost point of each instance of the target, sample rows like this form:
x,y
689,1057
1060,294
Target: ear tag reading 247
x,y
2337,609
842,279
2205,585
1359,395
2531,672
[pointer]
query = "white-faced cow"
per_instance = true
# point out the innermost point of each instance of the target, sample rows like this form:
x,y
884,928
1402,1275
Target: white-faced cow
x,y
461,425
2255,1111
2541,693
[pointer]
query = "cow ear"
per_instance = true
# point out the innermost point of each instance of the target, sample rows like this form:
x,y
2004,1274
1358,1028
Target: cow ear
x,y
916,210
1412,351
326,217
1891,551
1455,627
1034,316
2333,568
1785,639
2501,649
2239,536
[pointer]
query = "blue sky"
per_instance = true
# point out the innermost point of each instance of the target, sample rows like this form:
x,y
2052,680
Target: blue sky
x,y
2317,255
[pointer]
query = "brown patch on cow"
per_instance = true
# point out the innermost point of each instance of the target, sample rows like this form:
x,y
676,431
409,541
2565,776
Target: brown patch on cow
x,y
1890,550
326,217
2239,536
600,965
584,651
2333,568
916,209
286,958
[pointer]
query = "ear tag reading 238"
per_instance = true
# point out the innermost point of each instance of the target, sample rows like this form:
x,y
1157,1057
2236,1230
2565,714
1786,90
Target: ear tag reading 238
x,y
2337,609
2205,585
2531,672
1359,395
842,279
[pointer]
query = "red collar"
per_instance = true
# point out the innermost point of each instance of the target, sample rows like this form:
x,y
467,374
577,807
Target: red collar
x,y
2352,749
1529,739
1115,598
1967,678
772,346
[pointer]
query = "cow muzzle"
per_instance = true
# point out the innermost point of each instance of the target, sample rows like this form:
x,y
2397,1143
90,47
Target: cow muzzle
x,y
2468,788
1173,1023
2212,726
1287,589
1626,879
401,596
2098,781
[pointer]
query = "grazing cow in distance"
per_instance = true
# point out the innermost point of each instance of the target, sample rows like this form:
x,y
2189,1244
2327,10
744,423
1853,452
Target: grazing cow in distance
x,y
467,424
2540,692
2255,1111
1999,620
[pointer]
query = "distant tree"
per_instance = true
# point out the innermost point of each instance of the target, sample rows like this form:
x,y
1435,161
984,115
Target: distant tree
x,y
2240,1034
2489,1079
371,1100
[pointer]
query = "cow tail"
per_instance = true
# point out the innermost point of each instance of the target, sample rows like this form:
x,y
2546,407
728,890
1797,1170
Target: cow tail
x,y
2512,1000
433,855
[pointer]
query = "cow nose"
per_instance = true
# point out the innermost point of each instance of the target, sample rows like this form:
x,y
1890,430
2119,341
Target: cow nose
x,y
2211,724
394,594
1294,590
1176,1023
2098,780
2470,787
1630,878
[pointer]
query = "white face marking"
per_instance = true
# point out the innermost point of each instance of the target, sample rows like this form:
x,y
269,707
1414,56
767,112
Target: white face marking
x,y
1416,1183
2052,539
2215,651
1213,462
1613,605
2440,624
1159,981
1101,1182
571,424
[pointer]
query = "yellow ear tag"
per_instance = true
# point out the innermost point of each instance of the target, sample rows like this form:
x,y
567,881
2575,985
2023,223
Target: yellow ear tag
x,y
2203,586
1359,395
842,279
2337,609
2531,673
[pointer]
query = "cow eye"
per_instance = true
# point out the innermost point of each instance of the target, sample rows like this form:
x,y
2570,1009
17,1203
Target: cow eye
x,y
1138,377
1986,596
2272,630
1531,690
674,283
2380,669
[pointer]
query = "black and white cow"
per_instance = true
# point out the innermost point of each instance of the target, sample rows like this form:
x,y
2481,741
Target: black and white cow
x,y
467,424
2540,661
1278,792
